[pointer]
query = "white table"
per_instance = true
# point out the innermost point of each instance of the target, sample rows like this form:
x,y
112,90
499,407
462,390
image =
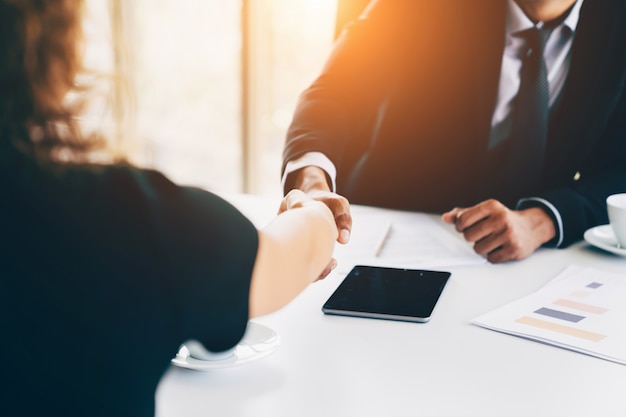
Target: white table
x,y
342,366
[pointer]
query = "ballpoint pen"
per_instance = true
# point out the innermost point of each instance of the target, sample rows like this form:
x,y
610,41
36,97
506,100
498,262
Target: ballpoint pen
x,y
382,239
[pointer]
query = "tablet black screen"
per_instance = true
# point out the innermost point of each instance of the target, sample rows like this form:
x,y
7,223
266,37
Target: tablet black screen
x,y
388,293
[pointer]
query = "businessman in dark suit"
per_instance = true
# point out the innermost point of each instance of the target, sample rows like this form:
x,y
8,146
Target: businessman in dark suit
x,y
420,107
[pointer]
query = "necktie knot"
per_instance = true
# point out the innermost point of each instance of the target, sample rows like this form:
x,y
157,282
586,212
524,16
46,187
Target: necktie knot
x,y
535,40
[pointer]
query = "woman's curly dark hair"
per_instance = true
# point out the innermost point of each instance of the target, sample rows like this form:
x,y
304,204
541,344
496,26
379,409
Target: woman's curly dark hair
x,y
39,60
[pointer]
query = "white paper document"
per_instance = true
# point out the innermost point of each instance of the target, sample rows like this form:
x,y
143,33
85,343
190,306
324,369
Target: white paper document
x,y
403,239
582,309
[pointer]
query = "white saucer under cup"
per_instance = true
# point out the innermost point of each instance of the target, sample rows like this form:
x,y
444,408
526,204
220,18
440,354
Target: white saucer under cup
x,y
257,342
603,237
198,351
616,209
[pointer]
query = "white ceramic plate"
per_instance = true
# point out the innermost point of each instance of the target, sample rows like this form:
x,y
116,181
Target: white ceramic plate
x,y
604,238
258,342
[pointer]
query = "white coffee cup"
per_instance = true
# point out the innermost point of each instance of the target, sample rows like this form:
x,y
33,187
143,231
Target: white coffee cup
x,y
616,208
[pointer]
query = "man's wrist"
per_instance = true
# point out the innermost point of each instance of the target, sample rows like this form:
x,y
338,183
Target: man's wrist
x,y
543,225
551,212
292,171
311,178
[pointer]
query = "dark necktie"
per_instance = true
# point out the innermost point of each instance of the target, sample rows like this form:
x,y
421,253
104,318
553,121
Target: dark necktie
x,y
530,113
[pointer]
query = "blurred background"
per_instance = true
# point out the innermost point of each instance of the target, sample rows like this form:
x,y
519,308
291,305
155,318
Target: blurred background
x,y
204,89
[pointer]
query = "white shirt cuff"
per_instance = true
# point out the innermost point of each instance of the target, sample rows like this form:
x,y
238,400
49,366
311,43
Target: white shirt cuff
x,y
317,159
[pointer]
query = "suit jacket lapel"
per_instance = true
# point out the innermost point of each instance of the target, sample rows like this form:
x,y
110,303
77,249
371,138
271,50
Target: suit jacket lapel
x,y
595,82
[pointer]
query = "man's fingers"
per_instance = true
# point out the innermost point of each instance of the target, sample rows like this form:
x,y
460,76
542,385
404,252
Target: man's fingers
x,y
331,265
467,218
340,208
451,216
344,224
489,243
338,205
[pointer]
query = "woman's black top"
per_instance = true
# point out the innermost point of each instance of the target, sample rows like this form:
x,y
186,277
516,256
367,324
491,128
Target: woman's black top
x,y
104,272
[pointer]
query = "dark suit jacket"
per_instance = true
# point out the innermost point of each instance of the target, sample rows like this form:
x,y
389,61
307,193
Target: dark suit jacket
x,y
403,108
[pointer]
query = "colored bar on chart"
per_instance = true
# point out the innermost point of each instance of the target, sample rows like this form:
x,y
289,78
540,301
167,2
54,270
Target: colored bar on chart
x,y
560,328
561,315
580,294
576,305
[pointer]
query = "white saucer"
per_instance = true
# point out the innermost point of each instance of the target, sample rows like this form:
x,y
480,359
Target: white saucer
x,y
604,238
258,342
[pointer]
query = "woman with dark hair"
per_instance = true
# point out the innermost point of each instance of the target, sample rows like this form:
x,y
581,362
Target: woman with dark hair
x,y
106,269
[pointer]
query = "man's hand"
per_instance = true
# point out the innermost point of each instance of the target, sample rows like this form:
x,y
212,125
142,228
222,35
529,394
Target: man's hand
x,y
312,180
341,211
502,234
297,198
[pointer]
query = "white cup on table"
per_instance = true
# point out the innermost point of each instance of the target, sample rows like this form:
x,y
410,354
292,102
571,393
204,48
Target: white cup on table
x,y
616,208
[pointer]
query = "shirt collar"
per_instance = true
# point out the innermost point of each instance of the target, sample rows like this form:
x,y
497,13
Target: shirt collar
x,y
517,21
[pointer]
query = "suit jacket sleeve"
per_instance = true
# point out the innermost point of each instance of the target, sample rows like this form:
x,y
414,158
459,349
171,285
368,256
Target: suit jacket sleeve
x,y
345,97
589,143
